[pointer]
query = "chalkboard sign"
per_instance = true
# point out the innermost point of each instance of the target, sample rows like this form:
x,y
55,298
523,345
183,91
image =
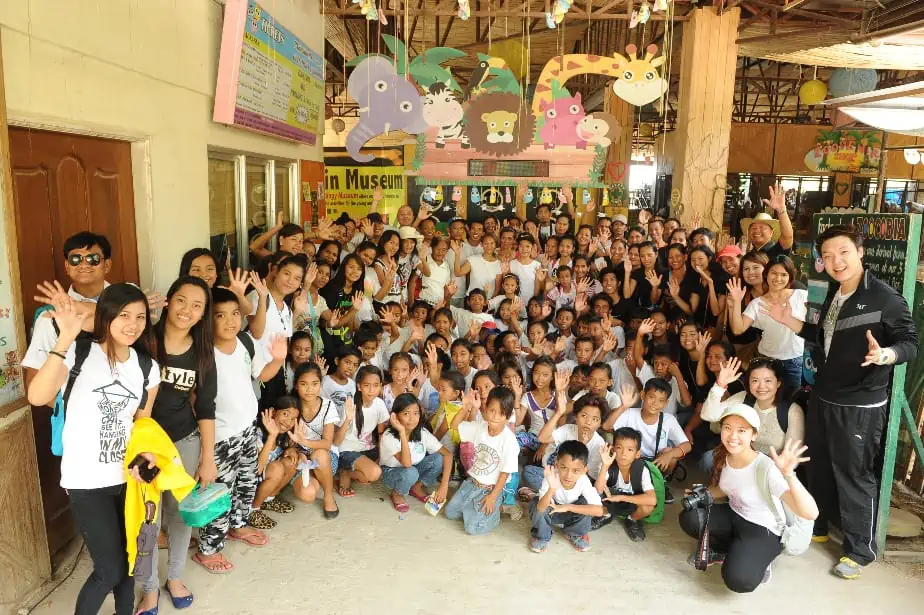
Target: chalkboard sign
x,y
890,252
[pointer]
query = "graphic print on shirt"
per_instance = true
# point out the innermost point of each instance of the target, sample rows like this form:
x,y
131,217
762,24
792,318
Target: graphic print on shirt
x,y
486,460
113,439
182,380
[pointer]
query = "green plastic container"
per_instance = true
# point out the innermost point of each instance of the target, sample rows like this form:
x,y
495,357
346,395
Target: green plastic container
x,y
202,506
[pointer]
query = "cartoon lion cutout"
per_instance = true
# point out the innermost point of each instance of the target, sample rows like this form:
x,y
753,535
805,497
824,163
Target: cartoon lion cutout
x,y
499,124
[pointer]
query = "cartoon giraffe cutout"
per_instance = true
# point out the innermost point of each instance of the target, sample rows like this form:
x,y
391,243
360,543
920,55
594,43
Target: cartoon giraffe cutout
x,y
637,80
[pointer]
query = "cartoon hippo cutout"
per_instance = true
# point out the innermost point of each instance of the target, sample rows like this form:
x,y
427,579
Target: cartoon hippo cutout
x,y
387,101
562,117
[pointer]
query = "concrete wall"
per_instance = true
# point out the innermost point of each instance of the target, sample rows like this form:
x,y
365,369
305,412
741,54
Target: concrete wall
x,y
144,71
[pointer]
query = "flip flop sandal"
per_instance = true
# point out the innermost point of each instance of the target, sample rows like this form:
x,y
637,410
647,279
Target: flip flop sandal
x,y
422,498
402,507
278,505
198,558
346,492
251,540
260,520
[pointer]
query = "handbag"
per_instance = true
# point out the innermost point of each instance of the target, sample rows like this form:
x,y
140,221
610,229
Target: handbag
x,y
795,531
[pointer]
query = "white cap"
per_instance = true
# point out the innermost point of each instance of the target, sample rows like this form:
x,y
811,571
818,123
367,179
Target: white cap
x,y
409,232
746,412
620,218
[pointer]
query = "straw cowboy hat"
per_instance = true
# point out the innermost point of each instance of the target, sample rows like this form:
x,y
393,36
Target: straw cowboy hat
x,y
763,218
409,232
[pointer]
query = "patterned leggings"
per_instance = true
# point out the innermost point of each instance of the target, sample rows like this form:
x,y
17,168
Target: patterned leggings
x,y
236,459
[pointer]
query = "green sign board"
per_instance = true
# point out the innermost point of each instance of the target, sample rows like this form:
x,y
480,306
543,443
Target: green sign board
x,y
890,252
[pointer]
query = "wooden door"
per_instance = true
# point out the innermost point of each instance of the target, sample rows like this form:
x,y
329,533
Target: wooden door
x,y
64,184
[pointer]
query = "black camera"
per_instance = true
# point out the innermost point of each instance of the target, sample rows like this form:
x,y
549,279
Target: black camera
x,y
699,497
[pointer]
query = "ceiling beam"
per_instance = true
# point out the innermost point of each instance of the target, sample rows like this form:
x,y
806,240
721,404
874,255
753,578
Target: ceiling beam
x,y
791,4
811,14
353,12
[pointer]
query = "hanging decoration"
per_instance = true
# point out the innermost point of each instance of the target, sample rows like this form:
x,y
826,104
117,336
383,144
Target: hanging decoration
x,y
367,8
499,124
912,156
813,92
559,9
513,54
387,101
849,81
639,82
465,10
850,151
443,110
599,129
561,117
659,5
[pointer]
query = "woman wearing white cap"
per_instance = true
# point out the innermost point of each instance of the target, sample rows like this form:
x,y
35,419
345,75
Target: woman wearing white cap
x,y
745,534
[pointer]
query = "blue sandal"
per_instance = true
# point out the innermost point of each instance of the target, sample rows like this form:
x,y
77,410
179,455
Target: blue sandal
x,y
151,611
179,603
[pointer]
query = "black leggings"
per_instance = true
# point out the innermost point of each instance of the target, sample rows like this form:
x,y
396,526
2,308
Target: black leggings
x,y
749,548
100,515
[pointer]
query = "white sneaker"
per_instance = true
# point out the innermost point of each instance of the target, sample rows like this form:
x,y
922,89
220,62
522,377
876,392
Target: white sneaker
x,y
768,574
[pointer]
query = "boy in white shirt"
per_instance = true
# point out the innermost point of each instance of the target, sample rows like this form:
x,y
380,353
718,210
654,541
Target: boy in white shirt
x,y
496,458
626,496
665,368
566,498
237,438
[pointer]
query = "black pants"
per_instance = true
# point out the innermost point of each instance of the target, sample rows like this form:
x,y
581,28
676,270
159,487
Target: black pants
x,y
749,548
621,509
844,443
100,516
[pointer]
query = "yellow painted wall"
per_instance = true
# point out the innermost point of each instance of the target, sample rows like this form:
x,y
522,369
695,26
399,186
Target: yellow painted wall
x,y
144,71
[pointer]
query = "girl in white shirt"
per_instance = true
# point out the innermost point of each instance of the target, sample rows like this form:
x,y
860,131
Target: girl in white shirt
x,y
106,398
744,532
435,271
411,457
482,269
314,436
365,418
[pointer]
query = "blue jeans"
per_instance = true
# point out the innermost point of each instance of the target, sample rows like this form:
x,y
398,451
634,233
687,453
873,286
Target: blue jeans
x,y
533,476
792,376
401,479
465,504
543,522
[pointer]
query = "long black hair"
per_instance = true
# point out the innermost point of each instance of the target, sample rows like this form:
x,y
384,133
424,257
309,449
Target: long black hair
x,y
191,255
403,401
364,371
201,332
338,282
111,302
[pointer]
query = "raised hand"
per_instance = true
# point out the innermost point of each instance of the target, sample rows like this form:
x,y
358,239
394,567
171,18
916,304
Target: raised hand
x,y
396,425
609,342
280,219
790,457
386,317
451,288
378,194
515,306
644,216
325,229
310,276
646,327
349,409
702,342
259,285
417,331
432,356
654,279
49,292
559,346
365,226
156,300
777,200
780,313
238,280
562,380
505,267
627,264
269,423
541,276
875,354
424,212
471,401
583,286
703,274
580,302
279,348
673,287
300,301
484,362
729,372
455,245
546,310
627,395
608,455
517,387
69,320
474,329
735,290
323,365
335,317
358,298
551,476
299,433
567,193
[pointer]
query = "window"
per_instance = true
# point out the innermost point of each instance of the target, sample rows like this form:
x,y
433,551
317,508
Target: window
x,y
245,195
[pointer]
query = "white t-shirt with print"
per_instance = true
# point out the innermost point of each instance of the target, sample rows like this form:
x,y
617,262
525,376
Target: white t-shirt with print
x,y
493,454
570,432
390,448
100,416
236,405
336,392
373,416
744,495
779,341
582,487
527,275
433,284
671,431
278,321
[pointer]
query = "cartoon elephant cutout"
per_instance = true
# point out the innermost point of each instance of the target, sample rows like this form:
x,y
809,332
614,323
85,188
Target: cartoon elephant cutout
x,y
387,101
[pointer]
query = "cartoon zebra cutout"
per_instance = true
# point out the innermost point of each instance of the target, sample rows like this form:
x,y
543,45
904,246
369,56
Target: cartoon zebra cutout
x,y
443,110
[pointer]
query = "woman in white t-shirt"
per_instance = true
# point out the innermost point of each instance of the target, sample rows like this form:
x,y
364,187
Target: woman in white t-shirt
x,y
411,457
744,533
109,394
364,420
482,269
777,341
435,270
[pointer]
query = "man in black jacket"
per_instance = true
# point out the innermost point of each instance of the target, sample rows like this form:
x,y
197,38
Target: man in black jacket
x,y
863,329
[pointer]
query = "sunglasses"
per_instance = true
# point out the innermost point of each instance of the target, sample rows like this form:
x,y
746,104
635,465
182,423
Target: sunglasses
x,y
92,259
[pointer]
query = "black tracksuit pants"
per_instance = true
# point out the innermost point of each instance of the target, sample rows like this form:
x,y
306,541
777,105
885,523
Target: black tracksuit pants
x,y
844,443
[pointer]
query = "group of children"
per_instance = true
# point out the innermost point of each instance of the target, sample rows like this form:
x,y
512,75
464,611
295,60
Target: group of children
x,y
499,363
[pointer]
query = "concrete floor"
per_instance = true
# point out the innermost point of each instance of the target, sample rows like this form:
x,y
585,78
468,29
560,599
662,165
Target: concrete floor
x,y
369,560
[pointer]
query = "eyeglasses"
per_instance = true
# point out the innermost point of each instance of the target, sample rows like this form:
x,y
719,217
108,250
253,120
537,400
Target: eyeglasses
x,y
92,259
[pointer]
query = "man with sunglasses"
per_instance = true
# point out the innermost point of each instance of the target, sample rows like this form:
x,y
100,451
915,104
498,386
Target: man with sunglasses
x,y
87,261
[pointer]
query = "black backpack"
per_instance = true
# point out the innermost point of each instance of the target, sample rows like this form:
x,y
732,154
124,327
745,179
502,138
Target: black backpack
x,y
247,341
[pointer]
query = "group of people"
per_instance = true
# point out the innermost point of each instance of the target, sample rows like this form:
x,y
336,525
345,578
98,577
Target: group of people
x,y
577,366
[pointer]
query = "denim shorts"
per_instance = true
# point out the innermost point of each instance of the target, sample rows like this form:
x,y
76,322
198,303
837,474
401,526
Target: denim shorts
x,y
348,458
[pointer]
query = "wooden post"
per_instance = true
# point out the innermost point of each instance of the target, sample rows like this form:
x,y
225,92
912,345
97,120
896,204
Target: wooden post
x,y
881,176
619,155
707,82
24,558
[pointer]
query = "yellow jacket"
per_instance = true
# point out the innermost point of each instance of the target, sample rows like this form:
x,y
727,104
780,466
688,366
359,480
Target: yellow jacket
x,y
148,437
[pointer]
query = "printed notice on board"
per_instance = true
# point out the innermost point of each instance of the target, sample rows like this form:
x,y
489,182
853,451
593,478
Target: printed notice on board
x,y
268,79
